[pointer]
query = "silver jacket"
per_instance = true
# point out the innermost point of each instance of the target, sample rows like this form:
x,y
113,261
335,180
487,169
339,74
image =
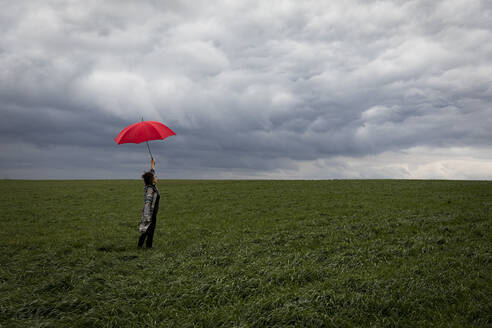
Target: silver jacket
x,y
151,199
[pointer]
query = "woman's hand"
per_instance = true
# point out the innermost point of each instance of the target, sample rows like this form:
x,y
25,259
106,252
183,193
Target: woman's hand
x,y
152,163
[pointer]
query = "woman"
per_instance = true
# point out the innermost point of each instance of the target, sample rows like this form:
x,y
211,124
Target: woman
x,y
150,208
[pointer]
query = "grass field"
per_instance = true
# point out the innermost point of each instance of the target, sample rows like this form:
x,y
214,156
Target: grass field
x,y
247,254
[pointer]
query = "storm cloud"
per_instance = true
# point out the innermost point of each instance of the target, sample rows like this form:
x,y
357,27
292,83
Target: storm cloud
x,y
253,89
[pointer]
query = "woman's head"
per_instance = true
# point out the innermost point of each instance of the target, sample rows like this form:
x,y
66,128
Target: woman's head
x,y
149,178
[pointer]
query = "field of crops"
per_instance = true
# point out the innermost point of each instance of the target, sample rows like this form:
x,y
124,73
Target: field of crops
x,y
247,254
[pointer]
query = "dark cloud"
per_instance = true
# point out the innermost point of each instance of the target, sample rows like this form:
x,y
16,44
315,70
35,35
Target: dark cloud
x,y
283,89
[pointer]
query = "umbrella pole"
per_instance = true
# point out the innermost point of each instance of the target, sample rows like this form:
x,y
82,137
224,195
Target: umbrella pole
x,y
151,157
148,148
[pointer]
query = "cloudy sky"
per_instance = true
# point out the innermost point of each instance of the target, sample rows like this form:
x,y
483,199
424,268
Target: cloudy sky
x,y
253,89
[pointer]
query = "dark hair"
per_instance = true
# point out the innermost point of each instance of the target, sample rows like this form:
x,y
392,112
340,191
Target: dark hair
x,y
148,178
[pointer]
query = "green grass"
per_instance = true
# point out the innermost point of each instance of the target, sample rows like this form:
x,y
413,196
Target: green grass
x,y
247,254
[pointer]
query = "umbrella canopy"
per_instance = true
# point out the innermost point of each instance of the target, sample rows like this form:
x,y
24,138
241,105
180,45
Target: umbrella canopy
x,y
143,131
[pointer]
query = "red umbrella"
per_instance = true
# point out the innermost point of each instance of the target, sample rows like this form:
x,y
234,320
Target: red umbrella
x,y
144,131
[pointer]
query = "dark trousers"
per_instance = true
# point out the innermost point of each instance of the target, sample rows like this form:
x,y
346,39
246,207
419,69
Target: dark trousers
x,y
149,234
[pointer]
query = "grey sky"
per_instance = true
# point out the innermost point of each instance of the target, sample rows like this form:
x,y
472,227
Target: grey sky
x,y
253,89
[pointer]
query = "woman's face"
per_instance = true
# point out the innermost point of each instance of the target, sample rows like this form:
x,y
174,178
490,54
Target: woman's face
x,y
155,179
